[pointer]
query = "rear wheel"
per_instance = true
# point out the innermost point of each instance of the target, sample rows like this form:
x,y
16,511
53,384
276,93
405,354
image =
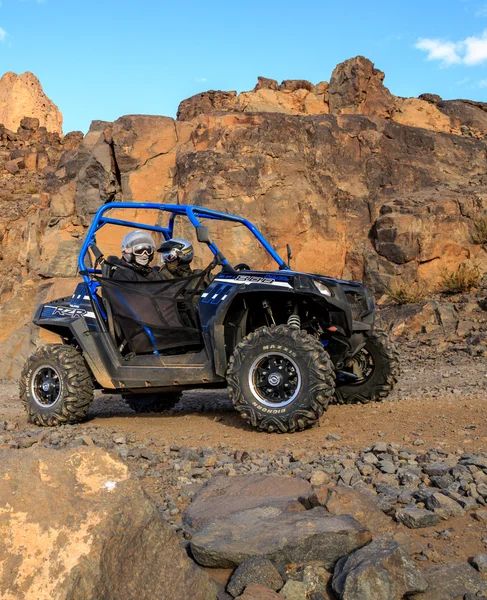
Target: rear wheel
x,y
376,368
147,403
56,386
280,379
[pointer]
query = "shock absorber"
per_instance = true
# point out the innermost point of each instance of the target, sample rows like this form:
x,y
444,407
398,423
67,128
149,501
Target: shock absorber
x,y
294,320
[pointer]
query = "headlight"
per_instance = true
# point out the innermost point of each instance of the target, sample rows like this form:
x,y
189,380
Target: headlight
x,y
323,289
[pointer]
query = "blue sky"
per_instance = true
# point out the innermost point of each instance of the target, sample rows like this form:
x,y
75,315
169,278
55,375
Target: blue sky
x,y
103,59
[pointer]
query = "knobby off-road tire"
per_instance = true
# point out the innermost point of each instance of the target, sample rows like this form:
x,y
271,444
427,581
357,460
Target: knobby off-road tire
x,y
56,386
380,360
280,379
147,403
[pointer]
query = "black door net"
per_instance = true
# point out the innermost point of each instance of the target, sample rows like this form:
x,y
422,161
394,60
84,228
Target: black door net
x,y
156,315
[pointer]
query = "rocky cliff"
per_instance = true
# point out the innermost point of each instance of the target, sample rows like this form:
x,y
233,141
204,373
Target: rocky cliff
x,y
363,184
22,96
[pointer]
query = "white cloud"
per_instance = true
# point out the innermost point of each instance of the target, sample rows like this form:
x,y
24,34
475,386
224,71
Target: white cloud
x,y
475,50
201,79
482,12
3,34
482,83
439,50
471,51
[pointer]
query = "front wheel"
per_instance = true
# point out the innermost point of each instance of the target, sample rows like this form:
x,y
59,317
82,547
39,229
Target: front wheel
x,y
147,403
280,379
376,369
56,386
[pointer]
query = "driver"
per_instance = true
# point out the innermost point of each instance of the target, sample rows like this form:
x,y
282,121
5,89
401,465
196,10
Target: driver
x,y
137,252
177,255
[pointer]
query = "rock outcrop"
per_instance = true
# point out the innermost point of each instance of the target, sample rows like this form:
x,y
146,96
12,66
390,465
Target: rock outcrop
x,y
22,96
362,184
74,525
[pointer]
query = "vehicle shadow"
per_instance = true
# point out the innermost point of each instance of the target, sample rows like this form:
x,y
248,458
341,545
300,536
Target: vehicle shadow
x,y
213,405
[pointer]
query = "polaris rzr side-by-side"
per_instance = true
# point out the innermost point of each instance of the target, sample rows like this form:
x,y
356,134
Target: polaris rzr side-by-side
x,y
284,343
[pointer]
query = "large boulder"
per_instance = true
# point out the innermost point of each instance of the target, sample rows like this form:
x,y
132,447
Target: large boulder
x,y
312,535
356,87
224,496
452,582
22,96
383,570
73,524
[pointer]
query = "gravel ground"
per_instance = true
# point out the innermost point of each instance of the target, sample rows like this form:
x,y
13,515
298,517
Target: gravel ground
x,y
437,414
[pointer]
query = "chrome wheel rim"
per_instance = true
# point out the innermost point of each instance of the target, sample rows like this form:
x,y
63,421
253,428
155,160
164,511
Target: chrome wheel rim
x,y
274,379
45,386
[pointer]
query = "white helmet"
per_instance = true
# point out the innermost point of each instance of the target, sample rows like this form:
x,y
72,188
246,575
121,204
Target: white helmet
x,y
138,246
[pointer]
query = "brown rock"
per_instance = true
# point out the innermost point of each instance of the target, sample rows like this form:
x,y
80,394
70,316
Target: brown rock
x,y
145,153
62,202
205,103
60,253
30,161
255,591
264,83
432,98
291,85
380,571
22,96
223,496
100,538
356,87
13,166
344,500
30,123
269,100
466,113
97,179
420,113
452,582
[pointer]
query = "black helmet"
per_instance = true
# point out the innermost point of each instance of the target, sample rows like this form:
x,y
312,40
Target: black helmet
x,y
176,249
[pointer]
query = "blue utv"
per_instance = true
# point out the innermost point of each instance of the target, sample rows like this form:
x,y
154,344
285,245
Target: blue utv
x,y
284,343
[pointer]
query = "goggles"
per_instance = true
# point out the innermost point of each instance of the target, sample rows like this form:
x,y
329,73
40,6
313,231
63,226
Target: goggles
x,y
141,249
171,255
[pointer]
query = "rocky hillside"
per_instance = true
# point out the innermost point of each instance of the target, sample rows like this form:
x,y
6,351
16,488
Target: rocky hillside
x,y
363,184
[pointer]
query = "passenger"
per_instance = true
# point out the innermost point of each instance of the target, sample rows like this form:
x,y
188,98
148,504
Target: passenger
x,y
137,252
177,255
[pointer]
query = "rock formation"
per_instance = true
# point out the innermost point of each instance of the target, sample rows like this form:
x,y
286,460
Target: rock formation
x,y
22,96
73,524
363,184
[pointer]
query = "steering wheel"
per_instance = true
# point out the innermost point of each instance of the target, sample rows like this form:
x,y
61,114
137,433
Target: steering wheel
x,y
241,267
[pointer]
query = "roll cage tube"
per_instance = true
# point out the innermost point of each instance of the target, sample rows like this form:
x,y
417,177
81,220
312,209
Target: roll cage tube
x,y
191,212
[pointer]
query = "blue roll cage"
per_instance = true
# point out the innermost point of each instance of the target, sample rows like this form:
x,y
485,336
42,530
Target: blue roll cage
x,y
191,212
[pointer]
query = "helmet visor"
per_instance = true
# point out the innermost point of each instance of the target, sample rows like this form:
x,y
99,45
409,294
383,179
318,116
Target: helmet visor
x,y
141,249
171,255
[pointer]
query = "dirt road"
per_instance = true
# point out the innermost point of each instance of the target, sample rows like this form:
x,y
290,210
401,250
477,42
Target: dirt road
x,y
440,402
